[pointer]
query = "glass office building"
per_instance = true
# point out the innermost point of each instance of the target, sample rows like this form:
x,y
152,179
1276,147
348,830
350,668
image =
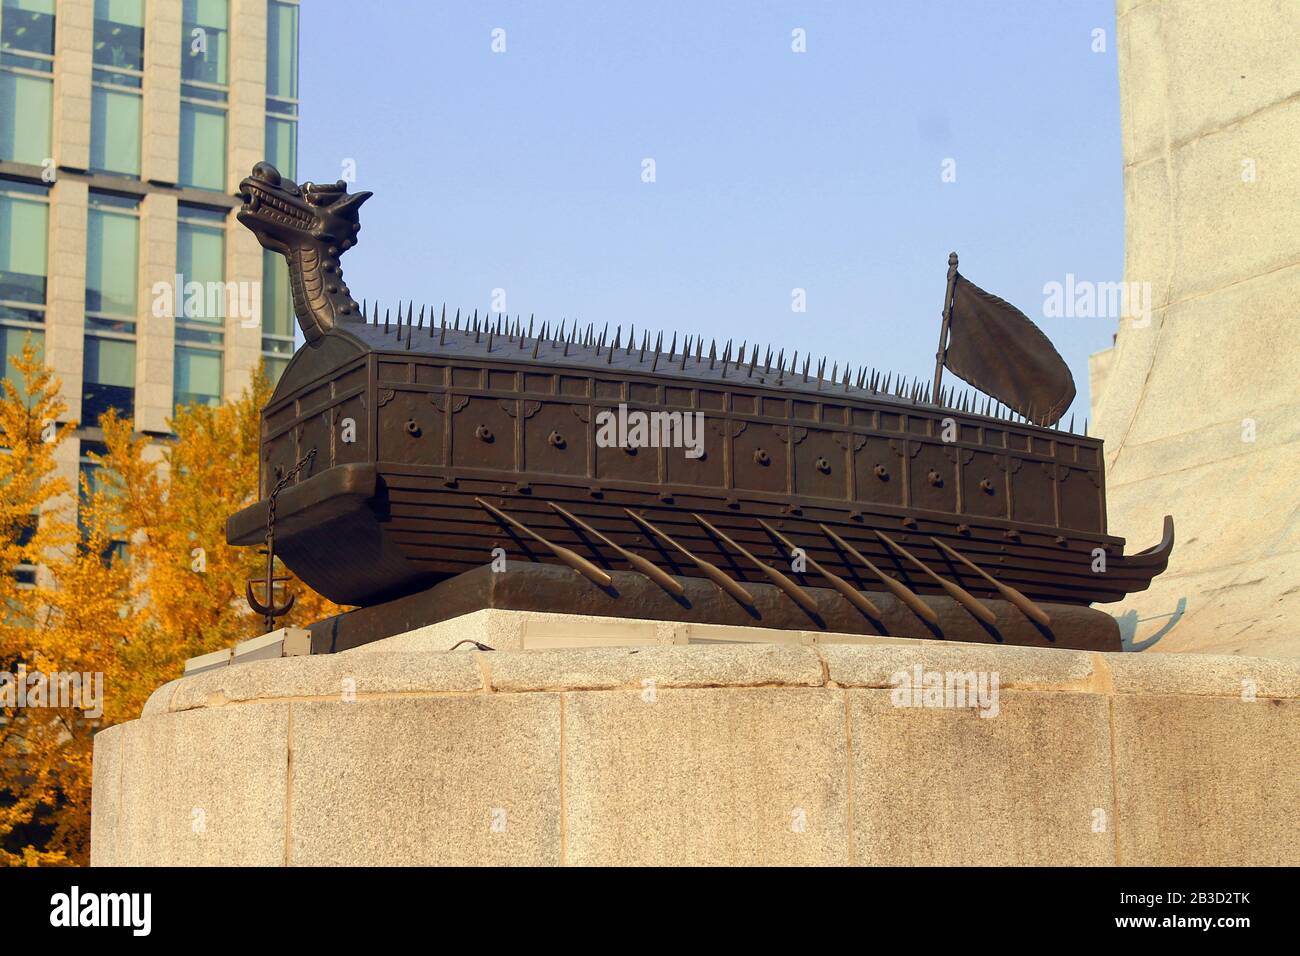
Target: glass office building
x,y
125,127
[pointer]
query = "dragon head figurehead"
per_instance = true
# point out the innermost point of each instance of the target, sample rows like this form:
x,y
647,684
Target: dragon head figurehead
x,y
312,226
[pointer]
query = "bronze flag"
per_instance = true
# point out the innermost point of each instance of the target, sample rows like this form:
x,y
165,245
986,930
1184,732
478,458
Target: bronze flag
x,y
995,347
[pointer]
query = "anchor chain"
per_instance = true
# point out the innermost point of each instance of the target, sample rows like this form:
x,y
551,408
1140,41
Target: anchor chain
x,y
270,611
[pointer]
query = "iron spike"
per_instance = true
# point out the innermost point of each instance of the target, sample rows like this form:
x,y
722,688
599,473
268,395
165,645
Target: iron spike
x,y
363,308
672,349
386,321
699,350
713,353
1085,428
654,363
753,361
456,327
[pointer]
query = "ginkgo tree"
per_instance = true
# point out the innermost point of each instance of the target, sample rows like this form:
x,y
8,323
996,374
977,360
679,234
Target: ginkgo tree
x,y
135,578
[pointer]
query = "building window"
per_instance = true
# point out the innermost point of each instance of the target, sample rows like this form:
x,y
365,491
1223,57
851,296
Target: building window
x,y
112,249
282,86
26,83
116,88
24,232
205,44
201,304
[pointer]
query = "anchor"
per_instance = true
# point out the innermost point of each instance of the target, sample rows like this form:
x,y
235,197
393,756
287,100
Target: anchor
x,y
270,610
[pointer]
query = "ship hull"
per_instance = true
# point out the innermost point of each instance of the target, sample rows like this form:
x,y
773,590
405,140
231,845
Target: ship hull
x,y
425,465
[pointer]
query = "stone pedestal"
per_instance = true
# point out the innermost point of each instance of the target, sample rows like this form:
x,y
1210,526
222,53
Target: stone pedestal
x,y
671,751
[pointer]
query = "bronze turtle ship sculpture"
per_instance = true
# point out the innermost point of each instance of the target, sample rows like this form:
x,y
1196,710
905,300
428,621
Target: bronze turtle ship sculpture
x,y
434,452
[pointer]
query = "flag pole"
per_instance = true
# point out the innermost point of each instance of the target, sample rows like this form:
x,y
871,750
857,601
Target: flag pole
x,y
943,329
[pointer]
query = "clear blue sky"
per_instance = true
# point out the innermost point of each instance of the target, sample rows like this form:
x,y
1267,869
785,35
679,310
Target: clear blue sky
x,y
775,170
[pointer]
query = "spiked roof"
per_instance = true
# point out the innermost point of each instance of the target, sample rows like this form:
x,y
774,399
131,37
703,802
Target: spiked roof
x,y
573,345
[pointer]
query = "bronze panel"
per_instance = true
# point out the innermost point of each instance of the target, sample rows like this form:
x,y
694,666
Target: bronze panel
x,y
394,371
625,463
878,470
431,374
314,431
821,464
705,471
410,427
358,449
482,433
932,476
1032,492
983,484
278,458
555,438
759,457
1080,499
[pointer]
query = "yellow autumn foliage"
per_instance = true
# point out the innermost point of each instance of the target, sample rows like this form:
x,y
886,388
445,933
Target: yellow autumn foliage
x,y
178,592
